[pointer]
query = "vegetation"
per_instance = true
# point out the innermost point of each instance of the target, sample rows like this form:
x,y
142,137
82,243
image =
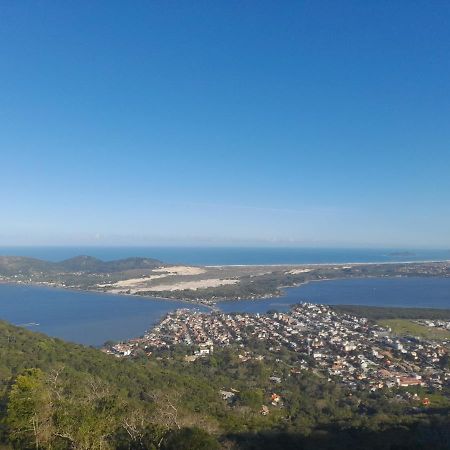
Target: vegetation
x,y
85,272
405,327
82,272
64,396
381,312
21,265
270,280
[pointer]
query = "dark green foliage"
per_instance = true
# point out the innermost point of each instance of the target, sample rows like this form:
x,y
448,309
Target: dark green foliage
x,y
93,395
82,272
381,312
21,265
189,439
29,410
253,398
94,265
60,395
434,434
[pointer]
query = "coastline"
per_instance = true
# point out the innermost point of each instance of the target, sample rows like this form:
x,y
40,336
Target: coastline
x,y
246,305
205,302
212,306
94,291
430,261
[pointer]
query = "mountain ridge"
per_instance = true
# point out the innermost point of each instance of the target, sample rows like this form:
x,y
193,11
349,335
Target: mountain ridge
x,y
12,265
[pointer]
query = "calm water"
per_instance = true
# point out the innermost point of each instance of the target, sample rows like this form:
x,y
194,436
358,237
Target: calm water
x,y
84,317
91,318
406,292
234,255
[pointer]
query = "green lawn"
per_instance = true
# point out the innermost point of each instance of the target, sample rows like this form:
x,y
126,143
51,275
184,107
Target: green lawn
x,y
404,327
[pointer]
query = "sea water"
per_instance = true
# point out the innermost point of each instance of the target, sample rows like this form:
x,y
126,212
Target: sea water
x,y
235,255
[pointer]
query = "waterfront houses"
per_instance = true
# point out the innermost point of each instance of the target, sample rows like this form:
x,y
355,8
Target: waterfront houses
x,y
344,348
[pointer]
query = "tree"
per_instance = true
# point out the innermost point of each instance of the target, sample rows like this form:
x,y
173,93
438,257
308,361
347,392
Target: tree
x,y
252,398
89,415
30,411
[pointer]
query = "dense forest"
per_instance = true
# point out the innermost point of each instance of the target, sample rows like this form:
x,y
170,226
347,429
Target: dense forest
x,y
57,395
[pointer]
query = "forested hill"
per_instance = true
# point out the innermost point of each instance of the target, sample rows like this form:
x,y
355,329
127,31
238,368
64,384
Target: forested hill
x,y
56,395
82,398
24,266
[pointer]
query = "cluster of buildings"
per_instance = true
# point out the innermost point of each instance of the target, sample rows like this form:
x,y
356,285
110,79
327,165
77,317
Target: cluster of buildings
x,y
342,347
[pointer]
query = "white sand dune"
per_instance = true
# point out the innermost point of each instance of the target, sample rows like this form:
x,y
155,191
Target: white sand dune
x,y
143,284
297,271
137,281
192,285
181,270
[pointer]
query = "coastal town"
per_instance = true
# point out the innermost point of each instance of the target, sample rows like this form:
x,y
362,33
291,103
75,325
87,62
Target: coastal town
x,y
343,348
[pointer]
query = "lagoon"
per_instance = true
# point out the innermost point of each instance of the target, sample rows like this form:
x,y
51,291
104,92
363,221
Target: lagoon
x,y
411,292
88,318
92,318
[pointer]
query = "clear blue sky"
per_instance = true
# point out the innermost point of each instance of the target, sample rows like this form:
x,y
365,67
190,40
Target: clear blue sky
x,y
225,122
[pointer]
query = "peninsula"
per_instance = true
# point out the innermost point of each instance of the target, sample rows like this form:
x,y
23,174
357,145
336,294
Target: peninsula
x,y
199,284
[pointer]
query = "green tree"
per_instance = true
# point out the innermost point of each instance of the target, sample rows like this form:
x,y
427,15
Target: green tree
x,y
252,398
89,415
30,411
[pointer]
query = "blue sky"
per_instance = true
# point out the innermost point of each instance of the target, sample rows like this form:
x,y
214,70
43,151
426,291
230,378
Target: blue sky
x,y
225,122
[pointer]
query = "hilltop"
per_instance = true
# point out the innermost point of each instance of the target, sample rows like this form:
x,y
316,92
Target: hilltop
x,y
24,266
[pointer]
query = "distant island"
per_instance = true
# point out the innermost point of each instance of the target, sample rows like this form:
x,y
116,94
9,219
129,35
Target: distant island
x,y
200,284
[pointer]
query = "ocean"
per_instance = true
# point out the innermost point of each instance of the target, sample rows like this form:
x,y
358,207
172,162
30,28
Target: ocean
x,y
236,255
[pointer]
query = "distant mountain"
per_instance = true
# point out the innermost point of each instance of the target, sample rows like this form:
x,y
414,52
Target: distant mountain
x,y
81,263
132,263
13,265
20,265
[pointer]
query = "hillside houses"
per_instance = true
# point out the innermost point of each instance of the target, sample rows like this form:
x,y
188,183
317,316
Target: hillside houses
x,y
345,348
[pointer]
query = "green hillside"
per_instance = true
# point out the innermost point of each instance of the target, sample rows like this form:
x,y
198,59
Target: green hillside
x,y
56,395
24,266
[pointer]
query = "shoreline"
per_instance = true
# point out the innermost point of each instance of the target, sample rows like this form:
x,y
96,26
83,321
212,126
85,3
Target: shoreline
x,y
94,291
213,306
217,266
211,303
218,308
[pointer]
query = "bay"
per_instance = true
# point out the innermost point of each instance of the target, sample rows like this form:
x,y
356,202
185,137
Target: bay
x,y
414,292
91,318
87,318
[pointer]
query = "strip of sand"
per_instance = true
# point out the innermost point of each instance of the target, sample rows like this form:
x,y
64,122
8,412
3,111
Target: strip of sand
x,y
180,286
181,270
